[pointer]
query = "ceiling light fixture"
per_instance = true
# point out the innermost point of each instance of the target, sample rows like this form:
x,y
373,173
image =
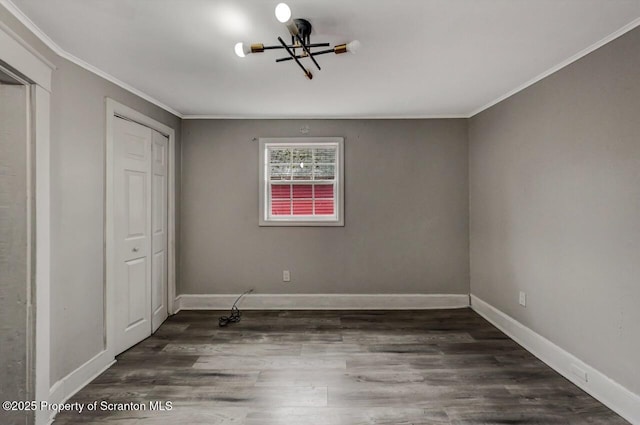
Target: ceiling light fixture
x,y
301,46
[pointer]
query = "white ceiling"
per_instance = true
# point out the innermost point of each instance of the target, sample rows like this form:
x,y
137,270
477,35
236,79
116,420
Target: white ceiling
x,y
419,58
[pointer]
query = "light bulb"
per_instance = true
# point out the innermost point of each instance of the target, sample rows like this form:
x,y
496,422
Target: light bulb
x,y
353,46
241,50
283,13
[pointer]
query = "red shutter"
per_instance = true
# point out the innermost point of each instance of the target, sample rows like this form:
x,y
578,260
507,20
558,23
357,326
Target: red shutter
x,y
324,206
279,207
280,191
302,191
323,199
302,207
323,191
280,199
302,199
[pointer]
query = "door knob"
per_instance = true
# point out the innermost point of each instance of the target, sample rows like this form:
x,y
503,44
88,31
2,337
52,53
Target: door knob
x,y
135,250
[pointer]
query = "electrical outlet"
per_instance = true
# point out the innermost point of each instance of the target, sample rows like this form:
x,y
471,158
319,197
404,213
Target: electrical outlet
x,y
523,299
286,276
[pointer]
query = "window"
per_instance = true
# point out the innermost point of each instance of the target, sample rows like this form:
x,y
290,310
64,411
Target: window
x,y
301,181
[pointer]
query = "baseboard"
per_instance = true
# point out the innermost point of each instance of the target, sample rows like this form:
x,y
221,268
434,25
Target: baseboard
x,y
322,301
68,386
613,395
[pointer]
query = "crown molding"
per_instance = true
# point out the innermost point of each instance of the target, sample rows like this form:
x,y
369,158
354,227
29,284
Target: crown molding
x,y
31,26
631,25
11,33
328,117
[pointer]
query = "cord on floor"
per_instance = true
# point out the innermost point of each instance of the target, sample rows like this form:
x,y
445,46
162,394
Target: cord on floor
x,y
235,315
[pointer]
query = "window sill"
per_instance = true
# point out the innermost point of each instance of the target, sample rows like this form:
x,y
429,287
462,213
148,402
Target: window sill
x,y
301,223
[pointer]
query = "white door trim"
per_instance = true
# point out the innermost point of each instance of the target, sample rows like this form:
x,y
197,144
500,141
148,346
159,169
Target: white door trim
x,y
114,109
41,125
15,53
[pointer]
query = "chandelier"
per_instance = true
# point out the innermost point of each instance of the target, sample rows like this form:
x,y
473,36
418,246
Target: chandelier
x,y
301,46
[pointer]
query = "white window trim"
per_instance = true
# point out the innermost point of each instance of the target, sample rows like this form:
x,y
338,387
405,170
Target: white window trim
x,y
263,219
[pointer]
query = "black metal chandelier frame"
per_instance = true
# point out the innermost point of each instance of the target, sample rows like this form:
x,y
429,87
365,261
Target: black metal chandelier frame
x,y
301,46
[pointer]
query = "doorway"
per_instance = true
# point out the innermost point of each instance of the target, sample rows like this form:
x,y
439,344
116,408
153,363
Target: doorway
x,y
17,333
28,69
140,281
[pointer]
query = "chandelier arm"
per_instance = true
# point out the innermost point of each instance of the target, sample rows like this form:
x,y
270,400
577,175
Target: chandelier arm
x,y
272,47
293,45
306,49
288,58
306,72
318,45
323,52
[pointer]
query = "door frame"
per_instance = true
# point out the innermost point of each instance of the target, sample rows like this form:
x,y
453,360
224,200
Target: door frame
x,y
29,63
115,109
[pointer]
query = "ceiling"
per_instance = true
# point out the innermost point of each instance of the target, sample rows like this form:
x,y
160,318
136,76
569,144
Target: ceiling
x,y
419,58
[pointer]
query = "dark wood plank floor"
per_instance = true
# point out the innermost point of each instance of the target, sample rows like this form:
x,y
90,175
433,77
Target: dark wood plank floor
x,y
335,368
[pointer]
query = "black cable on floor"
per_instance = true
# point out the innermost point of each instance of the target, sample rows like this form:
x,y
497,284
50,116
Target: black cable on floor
x,y
235,315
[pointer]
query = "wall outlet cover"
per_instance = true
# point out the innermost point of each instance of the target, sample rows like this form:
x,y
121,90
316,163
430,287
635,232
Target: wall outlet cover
x,y
523,299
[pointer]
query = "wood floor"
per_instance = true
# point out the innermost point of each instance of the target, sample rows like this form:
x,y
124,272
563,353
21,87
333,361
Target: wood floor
x,y
335,368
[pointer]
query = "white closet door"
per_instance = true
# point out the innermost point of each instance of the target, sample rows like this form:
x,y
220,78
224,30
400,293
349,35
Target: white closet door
x,y
159,230
132,221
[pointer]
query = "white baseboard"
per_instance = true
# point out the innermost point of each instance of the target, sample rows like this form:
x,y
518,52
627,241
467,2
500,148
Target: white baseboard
x,y
68,386
618,398
322,301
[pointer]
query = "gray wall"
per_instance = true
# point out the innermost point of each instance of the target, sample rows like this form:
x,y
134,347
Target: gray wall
x,y
14,267
406,211
555,208
77,203
77,200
